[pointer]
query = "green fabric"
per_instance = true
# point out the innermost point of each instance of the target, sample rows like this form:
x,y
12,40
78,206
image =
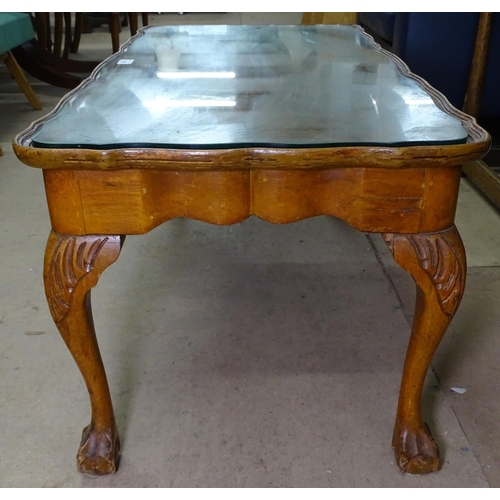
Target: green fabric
x,y
15,29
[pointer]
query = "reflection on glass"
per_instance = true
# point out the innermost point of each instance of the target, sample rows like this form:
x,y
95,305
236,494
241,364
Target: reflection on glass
x,y
195,74
162,103
236,86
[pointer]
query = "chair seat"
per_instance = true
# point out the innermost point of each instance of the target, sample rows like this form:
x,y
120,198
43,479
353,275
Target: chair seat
x,y
15,29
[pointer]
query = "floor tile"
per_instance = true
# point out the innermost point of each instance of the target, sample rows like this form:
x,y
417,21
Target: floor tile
x,y
479,224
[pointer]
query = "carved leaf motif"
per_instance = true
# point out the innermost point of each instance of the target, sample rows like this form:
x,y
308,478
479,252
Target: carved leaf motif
x,y
438,258
72,259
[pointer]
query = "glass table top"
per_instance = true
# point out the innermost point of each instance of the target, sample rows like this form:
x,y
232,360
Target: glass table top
x,y
217,87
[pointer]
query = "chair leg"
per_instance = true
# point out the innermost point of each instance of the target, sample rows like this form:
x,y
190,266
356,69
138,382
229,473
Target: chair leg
x,y
58,28
145,21
114,28
42,34
18,75
78,32
132,19
67,34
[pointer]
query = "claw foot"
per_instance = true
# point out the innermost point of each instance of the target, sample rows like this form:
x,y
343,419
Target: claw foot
x,y
99,452
416,451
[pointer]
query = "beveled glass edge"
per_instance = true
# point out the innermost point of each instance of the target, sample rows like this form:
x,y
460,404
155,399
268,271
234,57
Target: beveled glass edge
x,y
244,145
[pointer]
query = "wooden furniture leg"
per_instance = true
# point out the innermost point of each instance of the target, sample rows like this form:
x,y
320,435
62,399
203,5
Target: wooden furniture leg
x,y
58,29
67,34
19,76
43,29
437,263
72,267
133,22
145,18
114,28
78,32
479,172
474,92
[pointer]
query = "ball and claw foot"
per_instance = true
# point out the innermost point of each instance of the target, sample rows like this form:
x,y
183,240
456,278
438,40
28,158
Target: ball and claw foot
x,y
99,452
416,451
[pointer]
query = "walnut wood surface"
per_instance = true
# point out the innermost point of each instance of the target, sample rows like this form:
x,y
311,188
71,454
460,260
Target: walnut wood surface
x,y
437,263
408,193
329,17
136,201
72,267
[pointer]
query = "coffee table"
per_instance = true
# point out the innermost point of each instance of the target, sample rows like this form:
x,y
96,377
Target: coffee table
x,y
217,123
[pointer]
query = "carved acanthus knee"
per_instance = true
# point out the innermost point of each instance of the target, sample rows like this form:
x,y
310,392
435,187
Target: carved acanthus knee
x,y
441,257
74,262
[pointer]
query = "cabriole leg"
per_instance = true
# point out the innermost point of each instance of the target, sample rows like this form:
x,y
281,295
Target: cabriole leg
x,y
437,263
72,267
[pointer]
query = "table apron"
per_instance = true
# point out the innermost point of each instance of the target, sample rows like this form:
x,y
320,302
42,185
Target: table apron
x,y
406,200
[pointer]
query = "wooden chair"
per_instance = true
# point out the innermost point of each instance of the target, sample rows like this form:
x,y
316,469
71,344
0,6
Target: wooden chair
x,y
63,29
16,29
114,28
48,61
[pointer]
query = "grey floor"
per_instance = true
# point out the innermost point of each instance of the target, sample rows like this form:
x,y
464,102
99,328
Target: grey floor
x,y
251,355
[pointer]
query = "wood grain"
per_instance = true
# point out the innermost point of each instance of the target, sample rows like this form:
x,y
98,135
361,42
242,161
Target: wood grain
x,y
72,267
329,17
137,201
436,261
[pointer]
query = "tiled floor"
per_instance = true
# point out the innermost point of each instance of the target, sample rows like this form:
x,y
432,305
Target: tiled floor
x,y
248,355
